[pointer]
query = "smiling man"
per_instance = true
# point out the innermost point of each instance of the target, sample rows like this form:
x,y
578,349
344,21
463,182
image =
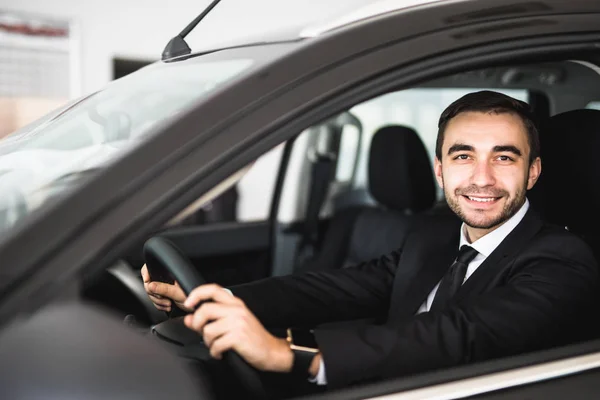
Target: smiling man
x,y
491,157
498,282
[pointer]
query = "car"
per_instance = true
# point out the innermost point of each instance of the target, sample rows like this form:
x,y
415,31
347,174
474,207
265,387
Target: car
x,y
288,122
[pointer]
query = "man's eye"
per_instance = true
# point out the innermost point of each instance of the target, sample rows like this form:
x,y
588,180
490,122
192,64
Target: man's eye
x,y
461,157
505,158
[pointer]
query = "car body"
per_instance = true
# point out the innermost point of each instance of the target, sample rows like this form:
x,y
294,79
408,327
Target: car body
x,y
181,130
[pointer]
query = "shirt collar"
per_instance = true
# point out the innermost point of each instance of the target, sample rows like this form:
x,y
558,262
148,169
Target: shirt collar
x,y
488,243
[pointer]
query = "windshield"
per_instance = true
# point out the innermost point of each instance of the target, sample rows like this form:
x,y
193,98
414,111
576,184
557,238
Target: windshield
x,y
45,158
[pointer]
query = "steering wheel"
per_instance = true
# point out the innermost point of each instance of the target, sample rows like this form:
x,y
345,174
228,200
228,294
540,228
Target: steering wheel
x,y
163,252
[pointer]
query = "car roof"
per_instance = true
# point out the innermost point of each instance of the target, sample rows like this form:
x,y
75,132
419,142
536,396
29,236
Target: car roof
x,y
323,18
266,21
357,14
367,12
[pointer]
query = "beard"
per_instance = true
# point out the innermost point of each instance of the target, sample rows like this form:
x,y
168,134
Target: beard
x,y
478,220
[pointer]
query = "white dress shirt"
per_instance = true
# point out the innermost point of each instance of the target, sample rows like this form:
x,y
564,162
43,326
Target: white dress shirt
x,y
484,246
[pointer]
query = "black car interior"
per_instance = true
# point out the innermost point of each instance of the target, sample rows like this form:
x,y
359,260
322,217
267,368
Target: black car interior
x,y
368,221
360,232
371,220
166,256
567,189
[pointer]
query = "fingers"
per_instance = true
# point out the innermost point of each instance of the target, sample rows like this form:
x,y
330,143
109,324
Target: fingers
x,y
221,345
219,336
209,312
162,308
227,324
160,301
160,289
210,292
161,293
145,274
215,329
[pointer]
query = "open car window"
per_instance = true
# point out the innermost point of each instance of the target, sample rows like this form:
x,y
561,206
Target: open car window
x,y
211,195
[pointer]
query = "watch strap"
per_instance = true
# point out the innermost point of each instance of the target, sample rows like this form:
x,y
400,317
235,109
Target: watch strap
x,y
303,357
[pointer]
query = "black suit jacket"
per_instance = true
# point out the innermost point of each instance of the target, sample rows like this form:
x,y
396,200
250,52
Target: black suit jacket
x,y
528,294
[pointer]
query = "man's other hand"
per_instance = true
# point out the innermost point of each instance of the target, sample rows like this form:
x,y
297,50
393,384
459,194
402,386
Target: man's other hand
x,y
226,323
162,294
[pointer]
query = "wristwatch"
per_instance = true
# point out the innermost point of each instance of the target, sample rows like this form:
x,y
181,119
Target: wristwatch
x,y
303,357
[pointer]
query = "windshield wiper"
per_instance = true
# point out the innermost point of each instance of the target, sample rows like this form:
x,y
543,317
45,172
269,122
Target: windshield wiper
x,y
178,46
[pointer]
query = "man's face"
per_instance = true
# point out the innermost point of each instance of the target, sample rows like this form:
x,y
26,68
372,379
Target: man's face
x,y
484,170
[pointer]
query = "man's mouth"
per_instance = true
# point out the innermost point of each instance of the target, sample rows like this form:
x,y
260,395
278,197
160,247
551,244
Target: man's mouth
x,y
482,199
481,202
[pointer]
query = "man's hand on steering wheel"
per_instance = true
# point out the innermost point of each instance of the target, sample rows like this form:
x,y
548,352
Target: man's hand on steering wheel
x,y
225,323
163,294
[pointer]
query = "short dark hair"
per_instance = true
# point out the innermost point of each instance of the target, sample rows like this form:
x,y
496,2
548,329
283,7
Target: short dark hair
x,y
487,101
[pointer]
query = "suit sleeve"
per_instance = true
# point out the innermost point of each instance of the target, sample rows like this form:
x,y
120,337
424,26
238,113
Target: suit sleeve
x,y
316,297
536,308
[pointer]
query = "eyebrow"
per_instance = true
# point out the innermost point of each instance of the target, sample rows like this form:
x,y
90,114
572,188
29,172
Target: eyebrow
x,y
459,147
497,149
508,148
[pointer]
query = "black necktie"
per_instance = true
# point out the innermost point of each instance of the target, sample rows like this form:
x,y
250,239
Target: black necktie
x,y
454,278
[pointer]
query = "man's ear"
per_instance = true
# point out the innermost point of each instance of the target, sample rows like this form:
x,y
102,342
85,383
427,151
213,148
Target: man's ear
x,y
437,169
535,169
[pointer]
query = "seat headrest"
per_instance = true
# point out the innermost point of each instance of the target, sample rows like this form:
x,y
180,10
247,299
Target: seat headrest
x,y
570,178
400,173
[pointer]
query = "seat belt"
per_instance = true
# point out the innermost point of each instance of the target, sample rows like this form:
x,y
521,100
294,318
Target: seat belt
x,y
321,174
323,168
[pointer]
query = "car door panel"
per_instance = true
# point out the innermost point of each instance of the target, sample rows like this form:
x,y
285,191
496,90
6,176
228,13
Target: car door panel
x,y
585,385
226,253
220,239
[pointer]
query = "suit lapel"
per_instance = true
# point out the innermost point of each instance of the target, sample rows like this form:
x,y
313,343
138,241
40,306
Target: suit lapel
x,y
495,262
426,256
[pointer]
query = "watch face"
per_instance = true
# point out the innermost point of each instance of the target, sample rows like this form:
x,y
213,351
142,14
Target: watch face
x,y
304,337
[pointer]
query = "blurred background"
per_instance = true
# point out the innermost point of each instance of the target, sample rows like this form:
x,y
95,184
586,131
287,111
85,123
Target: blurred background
x,y
54,51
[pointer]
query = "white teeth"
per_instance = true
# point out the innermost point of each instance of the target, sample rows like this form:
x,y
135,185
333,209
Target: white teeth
x,y
481,200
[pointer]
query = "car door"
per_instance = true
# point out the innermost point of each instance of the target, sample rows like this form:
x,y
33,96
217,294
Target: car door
x,y
549,375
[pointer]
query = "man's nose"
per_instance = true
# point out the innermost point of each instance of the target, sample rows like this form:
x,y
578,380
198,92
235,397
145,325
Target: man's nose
x,y
483,174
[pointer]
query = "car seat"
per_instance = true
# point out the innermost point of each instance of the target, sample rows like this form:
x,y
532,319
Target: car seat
x,y
401,182
568,191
